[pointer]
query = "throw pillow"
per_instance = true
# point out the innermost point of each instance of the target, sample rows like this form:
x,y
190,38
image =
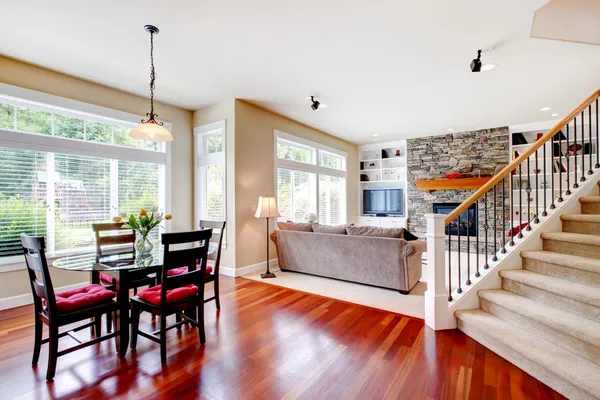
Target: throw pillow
x,y
331,229
396,233
408,236
292,226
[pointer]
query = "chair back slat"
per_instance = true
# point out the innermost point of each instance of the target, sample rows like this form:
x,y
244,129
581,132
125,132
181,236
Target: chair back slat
x,y
35,260
194,258
111,234
216,238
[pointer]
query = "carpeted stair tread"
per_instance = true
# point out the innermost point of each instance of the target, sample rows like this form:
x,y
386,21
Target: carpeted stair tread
x,y
565,260
593,218
589,199
556,318
562,287
577,371
577,238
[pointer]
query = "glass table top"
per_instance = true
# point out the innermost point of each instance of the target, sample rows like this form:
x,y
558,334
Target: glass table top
x,y
87,262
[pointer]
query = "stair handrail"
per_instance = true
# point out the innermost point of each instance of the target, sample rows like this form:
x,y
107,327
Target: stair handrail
x,y
489,185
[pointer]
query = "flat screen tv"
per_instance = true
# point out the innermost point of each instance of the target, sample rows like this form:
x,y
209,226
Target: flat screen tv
x,y
383,202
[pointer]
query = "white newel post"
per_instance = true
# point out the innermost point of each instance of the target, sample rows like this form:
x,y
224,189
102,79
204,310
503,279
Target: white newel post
x,y
437,315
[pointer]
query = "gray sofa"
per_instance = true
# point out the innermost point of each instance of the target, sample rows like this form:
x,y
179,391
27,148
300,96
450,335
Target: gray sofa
x,y
384,262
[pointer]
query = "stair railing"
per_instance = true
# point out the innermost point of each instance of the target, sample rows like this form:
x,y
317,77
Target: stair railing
x,y
512,201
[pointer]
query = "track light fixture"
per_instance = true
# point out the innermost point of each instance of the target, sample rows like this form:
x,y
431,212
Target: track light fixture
x,y
478,66
315,104
476,63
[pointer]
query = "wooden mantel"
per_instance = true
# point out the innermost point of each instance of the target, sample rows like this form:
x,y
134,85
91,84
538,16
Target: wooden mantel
x,y
451,184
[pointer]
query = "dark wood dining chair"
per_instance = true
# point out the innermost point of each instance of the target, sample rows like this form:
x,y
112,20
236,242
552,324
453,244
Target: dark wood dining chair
x,y
218,228
113,239
181,294
59,309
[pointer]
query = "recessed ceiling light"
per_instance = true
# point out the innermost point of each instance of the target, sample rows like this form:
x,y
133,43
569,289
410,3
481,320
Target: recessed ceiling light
x,y
488,67
545,109
374,140
375,134
555,115
450,129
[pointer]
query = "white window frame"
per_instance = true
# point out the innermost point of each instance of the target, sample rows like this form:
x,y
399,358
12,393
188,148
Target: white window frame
x,y
202,160
310,168
52,144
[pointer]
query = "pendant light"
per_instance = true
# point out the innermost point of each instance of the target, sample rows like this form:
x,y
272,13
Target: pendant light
x,y
151,129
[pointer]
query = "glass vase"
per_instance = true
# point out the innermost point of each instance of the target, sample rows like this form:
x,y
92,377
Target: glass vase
x,y
143,246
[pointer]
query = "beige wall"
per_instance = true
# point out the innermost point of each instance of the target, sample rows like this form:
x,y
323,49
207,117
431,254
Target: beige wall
x,y
255,173
17,73
219,112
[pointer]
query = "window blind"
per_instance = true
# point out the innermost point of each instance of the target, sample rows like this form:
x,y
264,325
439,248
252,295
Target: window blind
x,y
22,197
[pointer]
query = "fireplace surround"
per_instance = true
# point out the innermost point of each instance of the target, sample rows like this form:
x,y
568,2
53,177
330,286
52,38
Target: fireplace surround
x,y
468,219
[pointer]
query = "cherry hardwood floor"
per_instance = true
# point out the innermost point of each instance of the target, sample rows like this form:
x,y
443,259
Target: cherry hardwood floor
x,y
269,342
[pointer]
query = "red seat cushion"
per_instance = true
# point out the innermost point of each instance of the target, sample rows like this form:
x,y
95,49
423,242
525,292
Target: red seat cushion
x,y
111,280
183,270
84,297
152,295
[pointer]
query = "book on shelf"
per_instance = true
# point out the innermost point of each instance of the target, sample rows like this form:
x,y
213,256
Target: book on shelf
x,y
558,167
518,138
559,136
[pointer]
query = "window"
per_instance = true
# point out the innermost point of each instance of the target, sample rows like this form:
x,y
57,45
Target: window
x,y
210,171
310,179
62,170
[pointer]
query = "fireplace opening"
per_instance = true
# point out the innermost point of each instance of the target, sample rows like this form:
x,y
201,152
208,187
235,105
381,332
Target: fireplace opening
x,y
466,228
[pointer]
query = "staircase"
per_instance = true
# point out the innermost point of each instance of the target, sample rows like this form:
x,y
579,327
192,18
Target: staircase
x,y
546,317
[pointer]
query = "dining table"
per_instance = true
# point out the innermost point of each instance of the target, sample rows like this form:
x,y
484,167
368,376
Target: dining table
x,y
125,268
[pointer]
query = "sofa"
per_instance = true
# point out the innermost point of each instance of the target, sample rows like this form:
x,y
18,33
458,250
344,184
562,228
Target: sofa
x,y
386,262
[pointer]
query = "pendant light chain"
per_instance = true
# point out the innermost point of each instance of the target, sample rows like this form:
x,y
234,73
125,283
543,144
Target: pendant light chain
x,y
151,114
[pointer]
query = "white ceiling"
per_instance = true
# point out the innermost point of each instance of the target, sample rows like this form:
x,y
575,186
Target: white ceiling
x,y
397,68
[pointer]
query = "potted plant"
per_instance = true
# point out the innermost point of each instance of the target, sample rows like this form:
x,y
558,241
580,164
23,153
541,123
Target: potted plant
x,y
142,224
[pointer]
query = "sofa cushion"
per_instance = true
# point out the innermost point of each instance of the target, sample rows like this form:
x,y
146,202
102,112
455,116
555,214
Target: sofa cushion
x,y
293,226
331,229
396,233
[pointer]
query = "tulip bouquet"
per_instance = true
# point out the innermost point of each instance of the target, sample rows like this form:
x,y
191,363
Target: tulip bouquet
x,y
142,224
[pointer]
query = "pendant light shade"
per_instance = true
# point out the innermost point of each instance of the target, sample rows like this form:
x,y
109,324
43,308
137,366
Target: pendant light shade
x,y
151,129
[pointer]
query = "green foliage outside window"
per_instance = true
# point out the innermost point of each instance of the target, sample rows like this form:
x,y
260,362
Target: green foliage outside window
x,y
68,127
34,121
7,116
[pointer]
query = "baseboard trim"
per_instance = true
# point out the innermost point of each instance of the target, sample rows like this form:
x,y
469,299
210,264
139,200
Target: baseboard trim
x,y
26,299
249,269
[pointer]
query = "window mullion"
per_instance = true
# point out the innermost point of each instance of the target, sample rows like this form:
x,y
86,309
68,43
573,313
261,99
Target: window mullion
x,y
114,187
50,204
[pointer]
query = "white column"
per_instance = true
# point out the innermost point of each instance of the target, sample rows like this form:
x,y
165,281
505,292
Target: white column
x,y
437,315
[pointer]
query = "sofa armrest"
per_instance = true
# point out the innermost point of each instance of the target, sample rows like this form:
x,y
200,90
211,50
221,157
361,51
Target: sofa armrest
x,y
416,247
273,237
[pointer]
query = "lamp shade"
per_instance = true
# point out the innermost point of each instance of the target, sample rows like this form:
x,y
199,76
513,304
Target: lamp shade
x,y
267,208
151,131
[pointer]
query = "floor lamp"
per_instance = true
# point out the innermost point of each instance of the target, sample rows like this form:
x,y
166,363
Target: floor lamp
x,y
267,208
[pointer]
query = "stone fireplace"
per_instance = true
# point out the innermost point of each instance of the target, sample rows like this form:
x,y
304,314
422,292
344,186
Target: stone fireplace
x,y
468,219
468,153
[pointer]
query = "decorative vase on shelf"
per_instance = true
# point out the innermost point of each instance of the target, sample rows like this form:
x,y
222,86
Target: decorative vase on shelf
x,y
143,245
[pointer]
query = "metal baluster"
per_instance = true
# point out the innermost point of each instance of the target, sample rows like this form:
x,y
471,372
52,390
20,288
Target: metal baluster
x,y
495,257
582,179
597,140
449,227
468,247
528,191
568,160
459,290
575,184
590,172
477,274
485,228
545,213
520,235
512,210
503,250
537,193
